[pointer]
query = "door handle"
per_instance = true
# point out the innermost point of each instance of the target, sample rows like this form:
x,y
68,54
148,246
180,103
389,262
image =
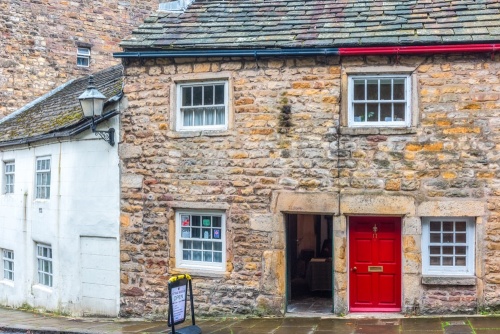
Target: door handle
x,y
354,269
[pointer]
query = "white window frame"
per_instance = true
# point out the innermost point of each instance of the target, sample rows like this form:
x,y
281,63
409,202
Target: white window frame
x,y
441,270
8,264
42,188
179,114
83,54
179,237
9,176
407,100
45,270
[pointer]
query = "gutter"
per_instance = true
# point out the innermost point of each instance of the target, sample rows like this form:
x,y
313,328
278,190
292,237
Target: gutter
x,y
383,50
61,134
229,53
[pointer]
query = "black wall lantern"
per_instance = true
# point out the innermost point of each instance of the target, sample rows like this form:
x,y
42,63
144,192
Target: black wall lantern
x,y
92,102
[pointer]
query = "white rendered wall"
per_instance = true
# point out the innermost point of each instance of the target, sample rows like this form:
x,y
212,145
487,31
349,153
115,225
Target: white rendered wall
x,y
84,202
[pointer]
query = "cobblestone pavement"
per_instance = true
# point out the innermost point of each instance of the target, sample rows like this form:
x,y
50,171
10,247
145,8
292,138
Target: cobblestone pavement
x,y
13,321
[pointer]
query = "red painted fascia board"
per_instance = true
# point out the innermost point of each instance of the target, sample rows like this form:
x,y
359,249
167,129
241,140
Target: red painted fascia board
x,y
420,49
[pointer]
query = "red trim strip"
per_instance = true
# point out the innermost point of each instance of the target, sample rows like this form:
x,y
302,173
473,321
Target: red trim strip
x,y
420,49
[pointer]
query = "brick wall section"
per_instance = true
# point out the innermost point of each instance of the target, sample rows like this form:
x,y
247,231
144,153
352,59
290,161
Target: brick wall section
x,y
38,42
452,155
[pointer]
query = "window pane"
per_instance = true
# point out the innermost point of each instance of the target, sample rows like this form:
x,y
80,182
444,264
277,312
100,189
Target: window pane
x,y
448,250
216,221
372,89
385,89
217,257
186,244
208,95
460,250
198,117
372,109
186,255
447,261
447,226
460,226
207,256
221,119
209,116
359,112
460,261
461,237
386,112
218,246
447,237
206,233
188,117
435,250
207,245
197,95
219,94
359,89
399,111
186,96
435,226
435,261
196,255
197,244
399,89
435,237
195,233
195,220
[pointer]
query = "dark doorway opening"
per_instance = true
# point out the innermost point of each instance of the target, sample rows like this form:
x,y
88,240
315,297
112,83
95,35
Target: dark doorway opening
x,y
309,263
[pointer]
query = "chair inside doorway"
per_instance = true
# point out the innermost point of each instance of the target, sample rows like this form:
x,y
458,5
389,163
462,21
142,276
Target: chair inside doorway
x,y
309,263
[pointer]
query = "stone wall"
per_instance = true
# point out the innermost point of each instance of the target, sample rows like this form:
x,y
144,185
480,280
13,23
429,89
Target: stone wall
x,y
449,157
39,40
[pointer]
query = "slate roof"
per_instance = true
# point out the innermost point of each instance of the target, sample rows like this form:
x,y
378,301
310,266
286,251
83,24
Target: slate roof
x,y
58,110
237,24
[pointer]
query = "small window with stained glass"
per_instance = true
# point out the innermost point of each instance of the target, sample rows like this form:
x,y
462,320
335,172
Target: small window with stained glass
x,y
201,239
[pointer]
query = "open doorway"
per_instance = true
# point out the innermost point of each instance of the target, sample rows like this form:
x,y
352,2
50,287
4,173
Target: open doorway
x,y
309,263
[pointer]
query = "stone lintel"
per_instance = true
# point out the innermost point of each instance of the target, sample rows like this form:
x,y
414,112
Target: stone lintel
x,y
450,280
307,202
377,205
451,209
198,205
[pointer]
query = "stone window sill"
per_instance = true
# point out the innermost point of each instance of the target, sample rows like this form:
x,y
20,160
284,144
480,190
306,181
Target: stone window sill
x,y
193,134
377,131
198,272
449,280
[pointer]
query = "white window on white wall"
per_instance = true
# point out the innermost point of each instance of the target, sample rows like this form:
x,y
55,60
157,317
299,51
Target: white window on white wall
x,y
448,246
9,176
44,264
83,57
379,101
201,240
42,178
8,264
202,106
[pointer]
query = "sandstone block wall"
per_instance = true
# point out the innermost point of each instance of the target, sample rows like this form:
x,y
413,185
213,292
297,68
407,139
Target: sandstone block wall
x,y
451,156
39,39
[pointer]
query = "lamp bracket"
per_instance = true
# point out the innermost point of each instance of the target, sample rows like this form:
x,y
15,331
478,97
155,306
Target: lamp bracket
x,y
108,136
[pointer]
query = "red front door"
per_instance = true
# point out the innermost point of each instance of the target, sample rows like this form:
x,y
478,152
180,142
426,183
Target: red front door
x,y
374,264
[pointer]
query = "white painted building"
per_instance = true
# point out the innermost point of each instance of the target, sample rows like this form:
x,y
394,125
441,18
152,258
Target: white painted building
x,y
59,203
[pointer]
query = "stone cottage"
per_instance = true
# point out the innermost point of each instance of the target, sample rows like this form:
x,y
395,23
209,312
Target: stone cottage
x,y
342,153
59,202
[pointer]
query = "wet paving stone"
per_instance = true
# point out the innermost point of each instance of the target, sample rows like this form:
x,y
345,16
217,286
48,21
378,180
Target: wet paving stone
x,y
458,329
300,322
420,325
376,329
335,325
487,331
486,323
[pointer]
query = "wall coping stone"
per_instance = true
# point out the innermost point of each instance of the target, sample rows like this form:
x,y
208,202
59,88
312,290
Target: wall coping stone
x,y
449,280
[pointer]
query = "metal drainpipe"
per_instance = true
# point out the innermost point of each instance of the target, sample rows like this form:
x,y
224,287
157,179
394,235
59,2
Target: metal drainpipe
x,y
420,49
